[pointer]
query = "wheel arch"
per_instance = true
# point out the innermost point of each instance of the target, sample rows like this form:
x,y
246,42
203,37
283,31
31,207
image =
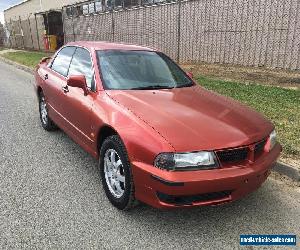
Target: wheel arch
x,y
104,132
39,90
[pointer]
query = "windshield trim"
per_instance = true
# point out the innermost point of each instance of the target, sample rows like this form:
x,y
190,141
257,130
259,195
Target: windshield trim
x,y
105,87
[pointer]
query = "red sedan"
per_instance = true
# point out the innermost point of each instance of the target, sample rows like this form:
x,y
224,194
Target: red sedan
x,y
160,138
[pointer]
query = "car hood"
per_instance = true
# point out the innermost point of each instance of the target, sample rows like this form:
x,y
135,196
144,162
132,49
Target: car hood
x,y
193,118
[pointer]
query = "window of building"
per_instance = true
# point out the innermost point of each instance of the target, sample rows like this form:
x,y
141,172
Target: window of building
x,y
91,8
109,4
134,3
159,1
85,9
79,10
69,11
98,6
147,2
75,11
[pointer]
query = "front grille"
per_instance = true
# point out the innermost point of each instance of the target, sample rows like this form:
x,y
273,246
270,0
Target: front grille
x,y
190,199
232,155
259,147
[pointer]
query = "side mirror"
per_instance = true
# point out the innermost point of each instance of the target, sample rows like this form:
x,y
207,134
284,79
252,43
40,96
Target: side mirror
x,y
190,74
78,81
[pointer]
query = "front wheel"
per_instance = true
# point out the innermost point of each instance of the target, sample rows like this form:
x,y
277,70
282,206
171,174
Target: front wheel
x,y
47,123
116,174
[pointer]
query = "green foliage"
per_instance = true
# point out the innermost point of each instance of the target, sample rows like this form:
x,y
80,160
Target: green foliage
x,y
27,58
280,105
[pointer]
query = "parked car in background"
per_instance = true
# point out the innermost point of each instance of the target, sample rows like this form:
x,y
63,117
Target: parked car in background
x,y
160,138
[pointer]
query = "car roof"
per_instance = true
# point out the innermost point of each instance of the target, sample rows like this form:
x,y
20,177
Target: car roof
x,y
108,46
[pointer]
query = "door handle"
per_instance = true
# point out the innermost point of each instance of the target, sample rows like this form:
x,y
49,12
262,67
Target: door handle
x,y
65,89
46,77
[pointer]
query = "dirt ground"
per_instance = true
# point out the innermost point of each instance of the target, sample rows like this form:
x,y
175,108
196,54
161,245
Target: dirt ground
x,y
277,77
292,162
284,179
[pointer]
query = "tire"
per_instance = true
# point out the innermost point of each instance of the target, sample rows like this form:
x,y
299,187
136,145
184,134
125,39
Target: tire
x,y
116,173
47,123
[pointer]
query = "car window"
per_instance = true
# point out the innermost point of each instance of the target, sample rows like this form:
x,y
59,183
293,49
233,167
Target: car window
x,y
62,60
81,64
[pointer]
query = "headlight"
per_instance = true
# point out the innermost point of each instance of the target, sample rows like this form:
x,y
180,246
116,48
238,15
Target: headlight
x,y
273,139
186,161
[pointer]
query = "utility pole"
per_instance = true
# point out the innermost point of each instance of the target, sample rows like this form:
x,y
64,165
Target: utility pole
x,y
41,5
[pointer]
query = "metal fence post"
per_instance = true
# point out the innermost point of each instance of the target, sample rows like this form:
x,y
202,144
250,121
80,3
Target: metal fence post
x,y
63,23
113,26
73,29
30,32
48,30
9,30
13,33
178,30
37,32
22,33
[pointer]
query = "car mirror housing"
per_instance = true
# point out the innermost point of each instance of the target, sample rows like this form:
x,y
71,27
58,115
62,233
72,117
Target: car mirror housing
x,y
78,81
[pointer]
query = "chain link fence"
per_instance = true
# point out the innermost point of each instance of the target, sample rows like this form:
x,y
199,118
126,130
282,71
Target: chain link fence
x,y
26,34
243,32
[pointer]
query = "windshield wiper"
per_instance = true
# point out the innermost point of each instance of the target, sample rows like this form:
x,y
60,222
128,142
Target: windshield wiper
x,y
190,84
152,87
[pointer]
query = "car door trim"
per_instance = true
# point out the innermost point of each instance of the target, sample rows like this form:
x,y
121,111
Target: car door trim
x,y
86,136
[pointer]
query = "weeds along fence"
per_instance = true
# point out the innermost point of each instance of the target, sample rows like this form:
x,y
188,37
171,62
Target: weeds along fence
x,y
243,32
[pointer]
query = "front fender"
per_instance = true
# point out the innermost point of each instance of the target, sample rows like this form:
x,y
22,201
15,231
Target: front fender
x,y
142,142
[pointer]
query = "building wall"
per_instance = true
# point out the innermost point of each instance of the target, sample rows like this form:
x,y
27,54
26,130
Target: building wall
x,y
30,7
26,29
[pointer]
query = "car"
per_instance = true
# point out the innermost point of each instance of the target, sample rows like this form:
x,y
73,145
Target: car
x,y
159,137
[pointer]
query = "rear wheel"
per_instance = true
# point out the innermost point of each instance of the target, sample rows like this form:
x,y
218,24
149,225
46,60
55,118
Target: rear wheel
x,y
47,123
116,174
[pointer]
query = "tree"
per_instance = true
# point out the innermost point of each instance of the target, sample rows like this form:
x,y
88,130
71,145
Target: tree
x,y
2,34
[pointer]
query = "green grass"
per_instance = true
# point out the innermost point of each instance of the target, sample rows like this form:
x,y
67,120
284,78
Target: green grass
x,y
280,105
27,58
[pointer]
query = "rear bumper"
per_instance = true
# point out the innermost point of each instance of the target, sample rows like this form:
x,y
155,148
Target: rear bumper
x,y
164,189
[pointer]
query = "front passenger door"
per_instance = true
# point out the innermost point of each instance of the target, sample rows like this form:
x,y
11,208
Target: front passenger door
x,y
77,105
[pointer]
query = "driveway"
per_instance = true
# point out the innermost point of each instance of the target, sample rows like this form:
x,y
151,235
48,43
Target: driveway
x,y
51,196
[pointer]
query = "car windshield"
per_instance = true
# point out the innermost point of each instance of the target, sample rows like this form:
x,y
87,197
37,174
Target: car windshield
x,y
121,69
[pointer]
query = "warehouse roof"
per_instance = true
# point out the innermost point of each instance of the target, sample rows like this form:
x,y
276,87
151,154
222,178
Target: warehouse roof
x,y
16,4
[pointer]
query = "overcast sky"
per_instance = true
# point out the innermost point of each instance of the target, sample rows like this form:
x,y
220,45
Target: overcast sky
x,y
4,4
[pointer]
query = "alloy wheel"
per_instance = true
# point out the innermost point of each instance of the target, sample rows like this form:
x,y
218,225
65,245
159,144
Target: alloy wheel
x,y
114,173
43,110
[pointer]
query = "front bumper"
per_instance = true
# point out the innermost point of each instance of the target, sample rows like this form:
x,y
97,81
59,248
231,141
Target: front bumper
x,y
164,189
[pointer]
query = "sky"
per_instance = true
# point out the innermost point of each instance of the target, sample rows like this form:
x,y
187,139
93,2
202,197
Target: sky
x,y
4,4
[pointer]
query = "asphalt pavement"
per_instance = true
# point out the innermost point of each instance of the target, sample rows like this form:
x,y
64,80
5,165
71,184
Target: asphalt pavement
x,y
51,196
